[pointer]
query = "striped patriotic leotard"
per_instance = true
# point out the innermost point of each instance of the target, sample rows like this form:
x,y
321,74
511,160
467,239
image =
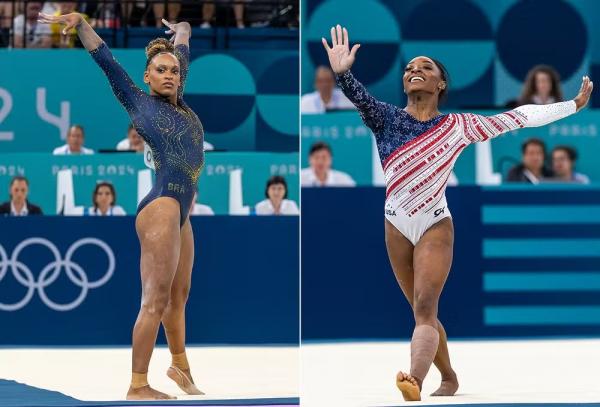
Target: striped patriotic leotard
x,y
418,157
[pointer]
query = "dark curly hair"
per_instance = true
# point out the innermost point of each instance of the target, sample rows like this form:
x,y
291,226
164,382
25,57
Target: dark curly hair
x,y
158,46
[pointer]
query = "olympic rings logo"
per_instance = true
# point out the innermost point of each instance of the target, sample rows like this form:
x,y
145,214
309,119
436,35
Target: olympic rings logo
x,y
51,272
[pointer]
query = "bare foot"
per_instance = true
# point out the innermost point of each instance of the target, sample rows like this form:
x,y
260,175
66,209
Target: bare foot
x,y
184,380
409,386
147,393
448,387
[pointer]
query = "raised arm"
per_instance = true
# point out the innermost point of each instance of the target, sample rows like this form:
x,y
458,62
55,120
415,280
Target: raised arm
x,y
86,33
341,59
481,128
181,39
123,87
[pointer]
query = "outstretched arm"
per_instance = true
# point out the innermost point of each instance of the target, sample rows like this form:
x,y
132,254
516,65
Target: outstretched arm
x,y
481,128
181,39
341,59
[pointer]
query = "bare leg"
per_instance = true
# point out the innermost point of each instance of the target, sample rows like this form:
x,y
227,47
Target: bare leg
x,y
126,9
400,252
173,10
174,317
159,13
157,226
208,13
238,12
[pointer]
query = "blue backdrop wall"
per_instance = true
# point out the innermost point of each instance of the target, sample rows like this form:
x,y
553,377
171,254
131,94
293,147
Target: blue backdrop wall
x,y
246,100
75,281
487,46
526,263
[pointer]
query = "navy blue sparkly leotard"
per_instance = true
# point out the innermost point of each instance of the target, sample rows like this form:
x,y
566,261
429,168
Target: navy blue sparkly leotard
x,y
173,132
392,126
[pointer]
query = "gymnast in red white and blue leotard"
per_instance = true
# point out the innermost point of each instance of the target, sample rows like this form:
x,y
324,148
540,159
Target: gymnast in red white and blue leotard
x,y
418,147
418,156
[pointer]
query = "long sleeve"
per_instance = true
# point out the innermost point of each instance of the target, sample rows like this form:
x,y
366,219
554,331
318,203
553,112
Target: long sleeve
x,y
481,128
182,52
123,87
371,110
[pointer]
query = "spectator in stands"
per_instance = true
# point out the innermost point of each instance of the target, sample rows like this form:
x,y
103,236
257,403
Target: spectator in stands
x,y
541,87
173,9
320,173
60,40
75,138
36,35
277,202
18,204
532,168
104,200
327,96
200,209
133,141
209,8
563,165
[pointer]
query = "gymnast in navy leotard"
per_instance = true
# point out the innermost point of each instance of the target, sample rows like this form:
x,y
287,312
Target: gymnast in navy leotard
x,y
173,132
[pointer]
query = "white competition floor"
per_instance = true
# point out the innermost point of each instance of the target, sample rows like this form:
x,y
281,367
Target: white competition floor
x,y
223,373
525,371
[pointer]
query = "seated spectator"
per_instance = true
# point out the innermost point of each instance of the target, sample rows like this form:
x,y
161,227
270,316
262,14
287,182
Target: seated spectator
x,y
104,200
208,13
563,165
326,96
320,173
60,40
133,141
75,138
36,35
18,204
532,169
200,209
276,202
541,87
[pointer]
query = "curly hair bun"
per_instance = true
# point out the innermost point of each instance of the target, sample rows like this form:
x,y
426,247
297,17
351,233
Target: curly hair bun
x,y
157,46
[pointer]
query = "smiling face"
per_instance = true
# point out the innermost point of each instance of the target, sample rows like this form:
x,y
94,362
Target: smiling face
x,y
423,75
163,75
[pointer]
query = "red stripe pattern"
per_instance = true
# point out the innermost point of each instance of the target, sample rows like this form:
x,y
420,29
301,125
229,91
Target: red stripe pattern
x,y
417,173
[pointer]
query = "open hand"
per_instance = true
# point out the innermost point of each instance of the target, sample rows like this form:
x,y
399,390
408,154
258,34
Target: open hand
x,y
341,57
175,28
585,91
69,20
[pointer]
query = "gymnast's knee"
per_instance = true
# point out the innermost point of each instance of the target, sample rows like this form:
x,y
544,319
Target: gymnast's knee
x,y
425,307
155,304
178,299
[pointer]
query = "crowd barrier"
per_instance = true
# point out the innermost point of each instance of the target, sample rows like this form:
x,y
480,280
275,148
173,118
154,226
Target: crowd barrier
x,y
76,281
526,263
